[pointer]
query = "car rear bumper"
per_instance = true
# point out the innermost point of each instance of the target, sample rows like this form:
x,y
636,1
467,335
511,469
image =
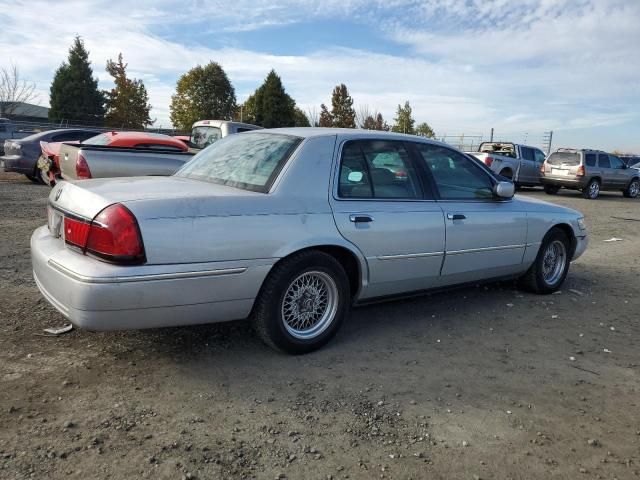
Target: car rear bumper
x,y
562,181
16,163
100,296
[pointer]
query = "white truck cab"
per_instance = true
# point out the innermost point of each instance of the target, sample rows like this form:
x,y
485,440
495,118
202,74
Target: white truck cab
x,y
205,132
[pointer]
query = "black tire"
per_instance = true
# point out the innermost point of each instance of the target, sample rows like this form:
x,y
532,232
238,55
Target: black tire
x,y
267,316
34,178
592,190
551,189
633,189
534,280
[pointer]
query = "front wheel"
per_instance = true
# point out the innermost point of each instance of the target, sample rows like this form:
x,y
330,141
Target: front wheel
x,y
551,189
302,303
551,265
633,189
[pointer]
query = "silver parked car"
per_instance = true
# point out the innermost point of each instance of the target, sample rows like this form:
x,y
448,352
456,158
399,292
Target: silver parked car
x,y
291,227
590,171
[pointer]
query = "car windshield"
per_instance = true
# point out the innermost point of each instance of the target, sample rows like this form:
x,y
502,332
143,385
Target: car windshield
x,y
250,161
101,139
564,158
202,137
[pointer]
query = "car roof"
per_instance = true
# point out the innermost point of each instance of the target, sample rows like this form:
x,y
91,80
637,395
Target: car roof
x,y
311,132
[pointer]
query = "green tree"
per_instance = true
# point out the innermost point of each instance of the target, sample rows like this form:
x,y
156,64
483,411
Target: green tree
x,y
326,120
128,102
74,94
273,107
404,122
424,130
376,122
202,93
300,118
342,112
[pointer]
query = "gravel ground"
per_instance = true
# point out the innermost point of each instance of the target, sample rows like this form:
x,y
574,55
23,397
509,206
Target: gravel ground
x,y
486,382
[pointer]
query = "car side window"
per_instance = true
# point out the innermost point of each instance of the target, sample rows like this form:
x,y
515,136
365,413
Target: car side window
x,y
527,153
603,161
378,169
540,156
158,146
456,176
616,162
66,137
590,159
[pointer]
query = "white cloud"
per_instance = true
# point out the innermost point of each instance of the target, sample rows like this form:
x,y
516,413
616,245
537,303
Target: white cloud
x,y
527,65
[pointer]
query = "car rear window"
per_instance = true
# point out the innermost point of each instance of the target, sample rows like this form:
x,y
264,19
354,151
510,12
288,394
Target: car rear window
x,y
101,139
564,158
251,161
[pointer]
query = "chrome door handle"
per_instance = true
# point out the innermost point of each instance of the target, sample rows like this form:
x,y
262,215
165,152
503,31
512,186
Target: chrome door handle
x,y
360,218
456,216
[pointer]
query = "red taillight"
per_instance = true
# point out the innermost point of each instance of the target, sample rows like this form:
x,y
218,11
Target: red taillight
x,y
76,231
488,161
542,168
113,235
580,172
82,169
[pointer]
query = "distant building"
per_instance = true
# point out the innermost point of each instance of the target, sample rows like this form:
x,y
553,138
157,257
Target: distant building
x,y
24,112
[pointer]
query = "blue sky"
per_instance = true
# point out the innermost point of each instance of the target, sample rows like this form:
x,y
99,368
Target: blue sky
x,y
522,67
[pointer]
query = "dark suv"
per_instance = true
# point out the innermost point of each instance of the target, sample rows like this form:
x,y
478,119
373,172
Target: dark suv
x,y
589,171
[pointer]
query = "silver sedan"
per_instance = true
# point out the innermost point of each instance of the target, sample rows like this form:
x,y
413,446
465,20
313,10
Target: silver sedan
x,y
291,227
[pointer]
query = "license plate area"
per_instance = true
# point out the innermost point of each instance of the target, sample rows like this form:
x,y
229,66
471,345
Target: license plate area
x,y
559,171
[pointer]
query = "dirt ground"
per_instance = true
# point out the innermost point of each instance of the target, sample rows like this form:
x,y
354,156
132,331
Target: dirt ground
x,y
486,382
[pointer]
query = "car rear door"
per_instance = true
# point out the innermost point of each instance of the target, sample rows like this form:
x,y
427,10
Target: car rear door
x,y
607,173
485,236
383,206
528,170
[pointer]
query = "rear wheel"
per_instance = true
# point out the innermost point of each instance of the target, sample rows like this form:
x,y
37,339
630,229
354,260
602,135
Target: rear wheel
x,y
551,189
633,189
302,303
551,265
592,190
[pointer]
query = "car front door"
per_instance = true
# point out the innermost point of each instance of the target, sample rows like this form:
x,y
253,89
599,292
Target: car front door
x,y
485,236
620,172
382,204
607,173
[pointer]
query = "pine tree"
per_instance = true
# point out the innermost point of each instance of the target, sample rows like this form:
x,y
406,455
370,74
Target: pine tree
x,y
74,94
128,102
381,124
202,93
274,108
325,117
424,130
404,122
301,118
342,112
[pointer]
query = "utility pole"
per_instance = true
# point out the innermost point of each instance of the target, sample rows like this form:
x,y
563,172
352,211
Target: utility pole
x,y
547,141
491,138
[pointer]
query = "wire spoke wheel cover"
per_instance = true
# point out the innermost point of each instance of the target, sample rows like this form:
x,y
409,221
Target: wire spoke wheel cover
x,y
554,261
310,304
634,189
594,189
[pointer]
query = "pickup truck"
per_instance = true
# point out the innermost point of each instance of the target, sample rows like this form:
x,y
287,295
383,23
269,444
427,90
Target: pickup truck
x,y
519,163
10,131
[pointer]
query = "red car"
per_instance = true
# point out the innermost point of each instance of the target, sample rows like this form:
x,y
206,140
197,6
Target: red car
x,y
49,162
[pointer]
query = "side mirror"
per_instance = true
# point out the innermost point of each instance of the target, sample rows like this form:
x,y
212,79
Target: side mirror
x,y
504,189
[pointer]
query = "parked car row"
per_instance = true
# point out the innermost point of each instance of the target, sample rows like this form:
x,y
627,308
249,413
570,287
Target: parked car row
x,y
291,227
590,171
